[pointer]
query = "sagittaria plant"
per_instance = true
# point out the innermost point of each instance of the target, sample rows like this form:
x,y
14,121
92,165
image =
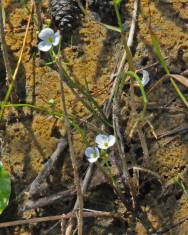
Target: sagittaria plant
x,y
49,39
103,143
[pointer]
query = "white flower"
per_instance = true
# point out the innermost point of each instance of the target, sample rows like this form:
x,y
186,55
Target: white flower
x,y
105,141
144,78
49,39
92,154
51,101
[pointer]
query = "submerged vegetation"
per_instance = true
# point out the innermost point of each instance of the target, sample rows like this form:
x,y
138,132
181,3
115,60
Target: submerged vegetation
x,y
55,101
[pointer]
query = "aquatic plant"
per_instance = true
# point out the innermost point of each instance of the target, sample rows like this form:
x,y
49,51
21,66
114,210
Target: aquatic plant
x,y
105,141
49,39
92,154
124,183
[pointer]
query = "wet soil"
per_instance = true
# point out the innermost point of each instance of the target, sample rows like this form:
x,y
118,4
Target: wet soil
x,y
30,137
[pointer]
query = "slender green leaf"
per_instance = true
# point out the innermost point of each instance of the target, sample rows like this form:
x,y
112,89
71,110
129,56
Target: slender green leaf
x,y
181,95
88,101
118,15
165,67
117,2
4,16
113,28
157,50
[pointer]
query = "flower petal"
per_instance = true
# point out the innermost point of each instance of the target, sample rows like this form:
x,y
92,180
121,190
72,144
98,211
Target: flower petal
x,y
92,159
145,77
46,33
92,154
103,146
101,139
56,39
89,151
111,140
44,46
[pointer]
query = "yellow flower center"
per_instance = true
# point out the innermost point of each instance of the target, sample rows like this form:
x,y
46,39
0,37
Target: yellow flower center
x,y
50,39
106,144
94,154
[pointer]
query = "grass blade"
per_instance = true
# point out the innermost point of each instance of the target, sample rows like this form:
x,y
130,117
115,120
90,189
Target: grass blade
x,y
157,50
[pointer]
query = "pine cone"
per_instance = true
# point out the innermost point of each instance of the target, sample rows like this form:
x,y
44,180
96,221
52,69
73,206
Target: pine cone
x,y
65,14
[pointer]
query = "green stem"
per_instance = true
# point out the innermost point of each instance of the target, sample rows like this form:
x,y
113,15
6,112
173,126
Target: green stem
x,y
128,52
118,16
87,100
145,100
41,109
124,39
181,95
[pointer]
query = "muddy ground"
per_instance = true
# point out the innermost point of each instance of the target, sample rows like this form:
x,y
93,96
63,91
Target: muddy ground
x,y
29,137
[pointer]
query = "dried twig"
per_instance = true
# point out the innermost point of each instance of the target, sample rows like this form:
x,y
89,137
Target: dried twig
x,y
4,47
121,151
38,10
86,214
5,52
143,143
44,201
168,228
133,24
183,127
85,185
36,184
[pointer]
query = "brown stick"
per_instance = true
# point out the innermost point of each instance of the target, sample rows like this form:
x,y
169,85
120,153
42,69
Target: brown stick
x,y
172,226
38,10
85,184
183,127
48,200
36,184
4,47
5,53
94,214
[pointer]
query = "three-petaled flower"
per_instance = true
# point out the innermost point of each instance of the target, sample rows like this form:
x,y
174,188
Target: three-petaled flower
x,y
49,39
92,154
105,141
